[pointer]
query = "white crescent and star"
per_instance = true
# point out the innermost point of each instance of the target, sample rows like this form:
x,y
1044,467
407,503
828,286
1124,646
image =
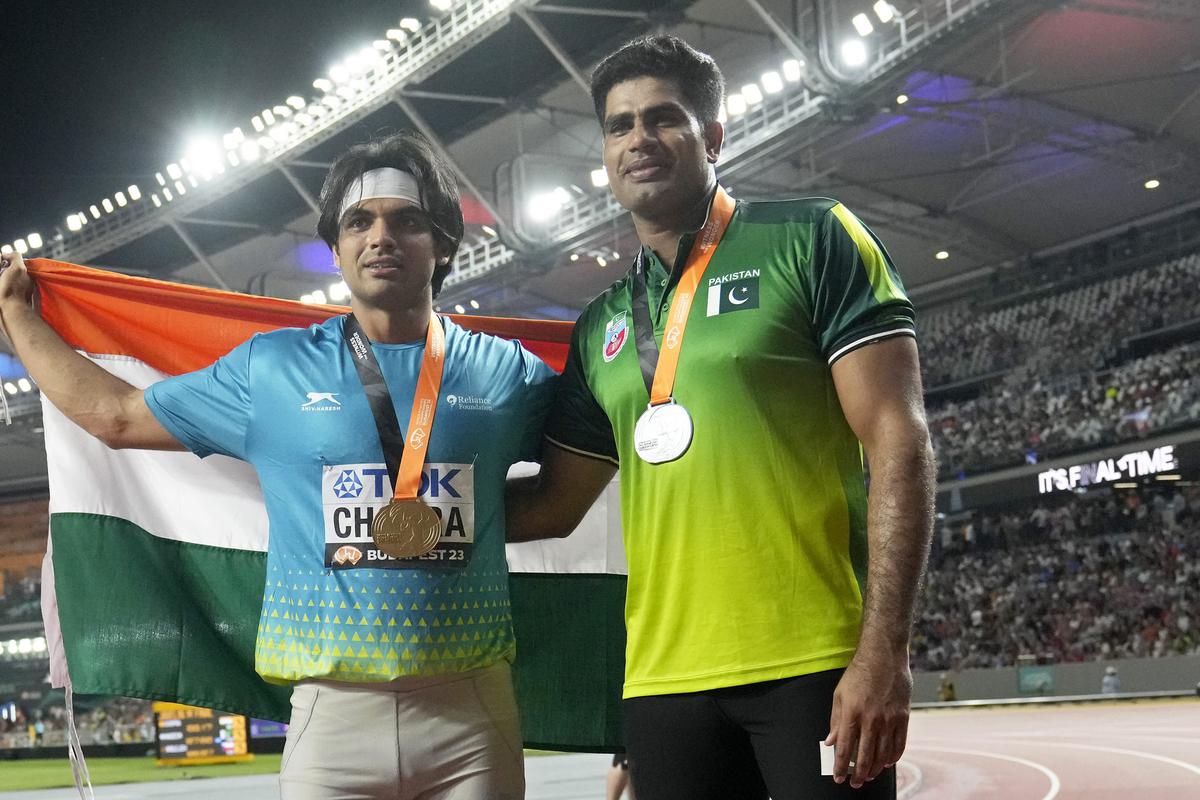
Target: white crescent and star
x,y
745,296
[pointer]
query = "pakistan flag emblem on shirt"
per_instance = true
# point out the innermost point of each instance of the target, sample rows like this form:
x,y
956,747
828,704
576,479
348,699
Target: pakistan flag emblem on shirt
x,y
736,292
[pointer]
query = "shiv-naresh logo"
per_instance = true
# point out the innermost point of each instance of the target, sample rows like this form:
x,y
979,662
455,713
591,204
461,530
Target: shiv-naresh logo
x,y
322,401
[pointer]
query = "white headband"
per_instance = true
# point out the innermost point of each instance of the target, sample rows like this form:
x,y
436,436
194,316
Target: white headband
x,y
383,182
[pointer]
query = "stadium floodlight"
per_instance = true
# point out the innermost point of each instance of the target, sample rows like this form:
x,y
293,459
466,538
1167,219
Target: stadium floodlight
x,y
192,180
601,261
410,24
599,177
574,256
232,158
282,112
306,299
458,307
488,229
736,104
203,156
319,297
266,143
854,52
232,139
397,35
82,217
35,241
1152,183
339,73
441,5
24,385
901,99
154,199
134,192
475,304
167,194
257,123
158,176
10,387
862,24
73,223
941,255
772,83
793,68
95,212
174,172
107,205
249,150
338,291
120,198
268,117
296,101
5,249
752,93
382,45
544,205
323,85
180,189
885,11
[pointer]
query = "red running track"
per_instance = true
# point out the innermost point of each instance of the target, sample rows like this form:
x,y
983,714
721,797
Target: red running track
x,y
1144,750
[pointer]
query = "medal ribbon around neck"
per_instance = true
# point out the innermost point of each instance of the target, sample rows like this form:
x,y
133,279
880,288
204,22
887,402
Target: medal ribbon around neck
x,y
663,383
405,457
406,527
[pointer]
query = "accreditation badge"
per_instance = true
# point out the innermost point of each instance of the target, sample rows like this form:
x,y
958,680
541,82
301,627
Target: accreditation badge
x,y
663,433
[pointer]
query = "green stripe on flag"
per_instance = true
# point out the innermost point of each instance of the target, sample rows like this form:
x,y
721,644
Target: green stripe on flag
x,y
144,616
570,666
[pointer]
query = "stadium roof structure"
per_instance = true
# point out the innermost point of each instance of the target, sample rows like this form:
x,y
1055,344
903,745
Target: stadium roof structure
x,y
975,133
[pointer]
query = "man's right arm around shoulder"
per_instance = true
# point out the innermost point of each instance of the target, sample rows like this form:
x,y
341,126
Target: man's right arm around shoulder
x,y
103,405
552,503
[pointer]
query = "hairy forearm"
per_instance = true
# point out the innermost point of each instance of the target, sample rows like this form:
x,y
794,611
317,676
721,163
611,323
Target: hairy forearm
x,y
89,396
900,510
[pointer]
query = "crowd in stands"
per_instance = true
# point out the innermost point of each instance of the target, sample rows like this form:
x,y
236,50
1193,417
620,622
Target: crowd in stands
x,y
20,600
118,720
1015,423
1078,330
1115,577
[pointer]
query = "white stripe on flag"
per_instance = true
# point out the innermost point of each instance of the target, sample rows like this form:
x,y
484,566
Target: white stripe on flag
x,y
714,300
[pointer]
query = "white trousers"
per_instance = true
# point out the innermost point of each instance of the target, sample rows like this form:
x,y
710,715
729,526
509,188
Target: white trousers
x,y
454,737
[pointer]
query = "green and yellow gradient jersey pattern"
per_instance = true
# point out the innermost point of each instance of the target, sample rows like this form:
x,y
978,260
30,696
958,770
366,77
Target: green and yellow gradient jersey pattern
x,y
747,556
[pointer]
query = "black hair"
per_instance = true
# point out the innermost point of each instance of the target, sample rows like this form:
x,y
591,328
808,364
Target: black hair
x,y
411,152
698,76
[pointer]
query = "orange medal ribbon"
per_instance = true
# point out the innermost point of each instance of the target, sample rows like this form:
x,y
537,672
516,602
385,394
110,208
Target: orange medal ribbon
x,y
681,304
420,421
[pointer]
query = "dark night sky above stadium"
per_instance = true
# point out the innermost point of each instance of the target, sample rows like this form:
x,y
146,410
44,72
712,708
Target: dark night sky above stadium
x,y
95,96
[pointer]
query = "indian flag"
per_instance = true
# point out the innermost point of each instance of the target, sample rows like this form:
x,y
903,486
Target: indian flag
x,y
153,579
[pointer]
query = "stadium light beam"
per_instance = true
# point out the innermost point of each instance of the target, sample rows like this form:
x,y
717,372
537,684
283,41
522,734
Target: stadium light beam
x,y
73,223
120,198
772,83
410,24
885,11
94,211
752,94
736,104
854,52
107,205
174,172
599,177
862,24
793,68
134,192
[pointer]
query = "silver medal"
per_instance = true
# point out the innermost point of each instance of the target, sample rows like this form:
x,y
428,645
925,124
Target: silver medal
x,y
663,433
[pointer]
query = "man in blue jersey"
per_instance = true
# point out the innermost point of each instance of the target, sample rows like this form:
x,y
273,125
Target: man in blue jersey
x,y
402,689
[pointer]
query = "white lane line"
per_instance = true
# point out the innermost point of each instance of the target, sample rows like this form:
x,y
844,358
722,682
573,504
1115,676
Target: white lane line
x,y
1055,784
916,781
1122,751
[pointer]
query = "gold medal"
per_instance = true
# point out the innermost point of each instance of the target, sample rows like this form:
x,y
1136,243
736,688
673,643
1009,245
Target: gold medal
x,y
406,528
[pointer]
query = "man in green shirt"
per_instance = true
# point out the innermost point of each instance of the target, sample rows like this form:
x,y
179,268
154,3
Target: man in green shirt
x,y
732,376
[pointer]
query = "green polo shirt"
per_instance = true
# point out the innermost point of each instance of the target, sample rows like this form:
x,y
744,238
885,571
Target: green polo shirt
x,y
747,555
